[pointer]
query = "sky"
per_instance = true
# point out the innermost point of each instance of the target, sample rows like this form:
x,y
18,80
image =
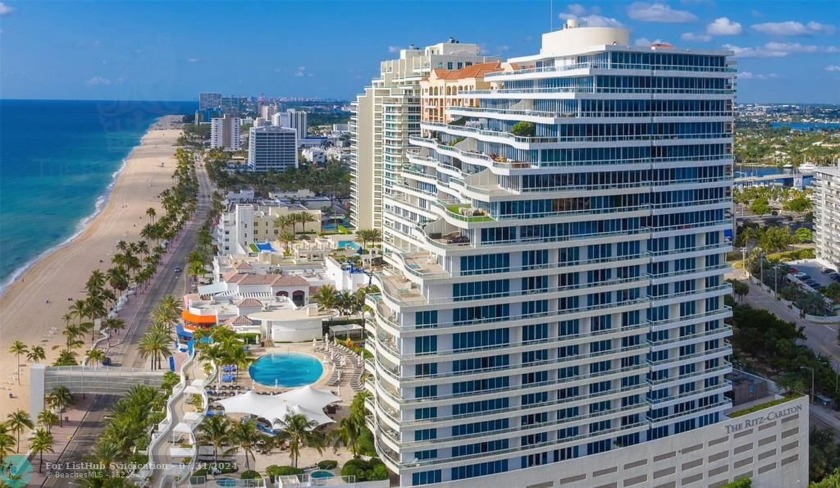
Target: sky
x,y
788,51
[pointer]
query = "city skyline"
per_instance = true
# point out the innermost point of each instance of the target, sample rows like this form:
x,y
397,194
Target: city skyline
x,y
787,52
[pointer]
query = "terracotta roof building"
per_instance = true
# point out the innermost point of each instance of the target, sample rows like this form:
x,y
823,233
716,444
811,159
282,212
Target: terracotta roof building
x,y
441,88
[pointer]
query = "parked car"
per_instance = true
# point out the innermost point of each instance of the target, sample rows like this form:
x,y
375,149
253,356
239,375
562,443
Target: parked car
x,y
826,270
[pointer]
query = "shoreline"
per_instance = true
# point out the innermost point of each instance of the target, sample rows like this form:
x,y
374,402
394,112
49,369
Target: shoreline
x,y
100,204
35,301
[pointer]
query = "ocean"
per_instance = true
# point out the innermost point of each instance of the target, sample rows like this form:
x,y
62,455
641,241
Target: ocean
x,y
58,161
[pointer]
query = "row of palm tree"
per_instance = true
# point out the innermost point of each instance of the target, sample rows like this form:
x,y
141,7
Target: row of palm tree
x,y
345,302
34,354
283,222
224,349
19,421
365,236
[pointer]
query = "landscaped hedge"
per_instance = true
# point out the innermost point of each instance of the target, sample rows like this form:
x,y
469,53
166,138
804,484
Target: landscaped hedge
x,y
328,464
372,470
251,475
275,470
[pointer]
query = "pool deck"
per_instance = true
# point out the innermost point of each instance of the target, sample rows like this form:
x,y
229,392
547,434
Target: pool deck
x,y
308,457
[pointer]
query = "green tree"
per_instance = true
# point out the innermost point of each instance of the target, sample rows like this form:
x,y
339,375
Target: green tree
x,y
524,129
326,297
59,399
803,234
41,443
760,207
299,432
36,354
215,431
155,345
19,349
740,289
7,441
17,422
47,419
245,435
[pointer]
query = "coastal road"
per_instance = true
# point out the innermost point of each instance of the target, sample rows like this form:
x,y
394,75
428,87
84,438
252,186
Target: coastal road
x,y
125,353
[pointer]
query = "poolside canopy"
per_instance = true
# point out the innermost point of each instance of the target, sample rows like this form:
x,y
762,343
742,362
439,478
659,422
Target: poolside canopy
x,y
272,407
310,398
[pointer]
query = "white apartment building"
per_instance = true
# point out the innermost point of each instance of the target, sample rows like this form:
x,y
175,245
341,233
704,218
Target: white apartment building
x,y
552,310
385,115
294,119
315,155
272,149
827,216
224,133
246,224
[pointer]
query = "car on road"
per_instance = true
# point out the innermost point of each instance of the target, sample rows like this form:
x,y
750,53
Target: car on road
x,y
106,361
177,270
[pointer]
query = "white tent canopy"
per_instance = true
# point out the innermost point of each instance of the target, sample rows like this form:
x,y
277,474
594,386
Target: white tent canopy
x,y
310,398
272,408
182,427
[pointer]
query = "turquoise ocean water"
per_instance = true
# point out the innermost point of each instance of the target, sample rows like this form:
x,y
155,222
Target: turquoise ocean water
x,y
58,160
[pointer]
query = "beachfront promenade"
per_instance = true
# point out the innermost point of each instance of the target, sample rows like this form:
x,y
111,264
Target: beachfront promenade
x,y
123,348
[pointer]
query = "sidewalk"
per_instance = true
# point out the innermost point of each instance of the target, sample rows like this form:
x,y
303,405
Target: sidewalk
x,y
820,338
62,435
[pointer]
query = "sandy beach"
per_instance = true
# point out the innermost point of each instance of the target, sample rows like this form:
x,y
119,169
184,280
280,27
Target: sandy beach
x,y
36,302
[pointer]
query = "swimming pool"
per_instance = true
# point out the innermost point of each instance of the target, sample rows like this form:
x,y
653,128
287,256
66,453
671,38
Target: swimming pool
x,y
320,474
286,369
226,482
265,246
351,244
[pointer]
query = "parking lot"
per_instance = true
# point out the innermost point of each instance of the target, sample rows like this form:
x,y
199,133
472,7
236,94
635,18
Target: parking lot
x,y
813,269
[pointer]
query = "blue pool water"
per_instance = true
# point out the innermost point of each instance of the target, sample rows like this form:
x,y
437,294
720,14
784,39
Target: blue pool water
x,y
264,247
351,244
286,369
226,482
321,474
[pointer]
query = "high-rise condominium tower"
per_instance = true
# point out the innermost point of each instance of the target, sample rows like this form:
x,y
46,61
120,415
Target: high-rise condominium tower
x,y
385,115
554,287
224,133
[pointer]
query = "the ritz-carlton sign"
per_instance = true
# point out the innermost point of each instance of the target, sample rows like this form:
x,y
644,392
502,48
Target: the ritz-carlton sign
x,y
772,415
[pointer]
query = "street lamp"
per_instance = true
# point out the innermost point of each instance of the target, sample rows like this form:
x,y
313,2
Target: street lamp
x,y
744,260
812,381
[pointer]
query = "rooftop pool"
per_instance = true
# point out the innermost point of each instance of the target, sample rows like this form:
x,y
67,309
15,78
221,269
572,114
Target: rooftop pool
x,y
286,370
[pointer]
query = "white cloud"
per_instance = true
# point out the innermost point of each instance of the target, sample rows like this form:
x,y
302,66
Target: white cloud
x,y
645,42
691,37
5,9
791,28
658,12
832,68
723,27
193,60
98,81
576,9
746,75
590,18
777,50
393,49
301,72
503,48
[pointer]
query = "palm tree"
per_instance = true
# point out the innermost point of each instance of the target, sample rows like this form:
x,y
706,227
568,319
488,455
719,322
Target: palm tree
x,y
286,237
245,435
196,269
36,354
59,399
7,441
66,357
118,278
95,356
72,334
18,348
47,419
348,433
113,324
299,432
105,454
167,312
215,431
41,443
96,281
151,213
305,218
18,421
326,297
79,310
155,345
282,222
345,301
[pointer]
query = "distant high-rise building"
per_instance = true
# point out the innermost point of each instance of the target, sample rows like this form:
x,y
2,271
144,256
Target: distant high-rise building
x,y
209,101
224,133
385,115
295,119
233,106
827,216
272,149
268,111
